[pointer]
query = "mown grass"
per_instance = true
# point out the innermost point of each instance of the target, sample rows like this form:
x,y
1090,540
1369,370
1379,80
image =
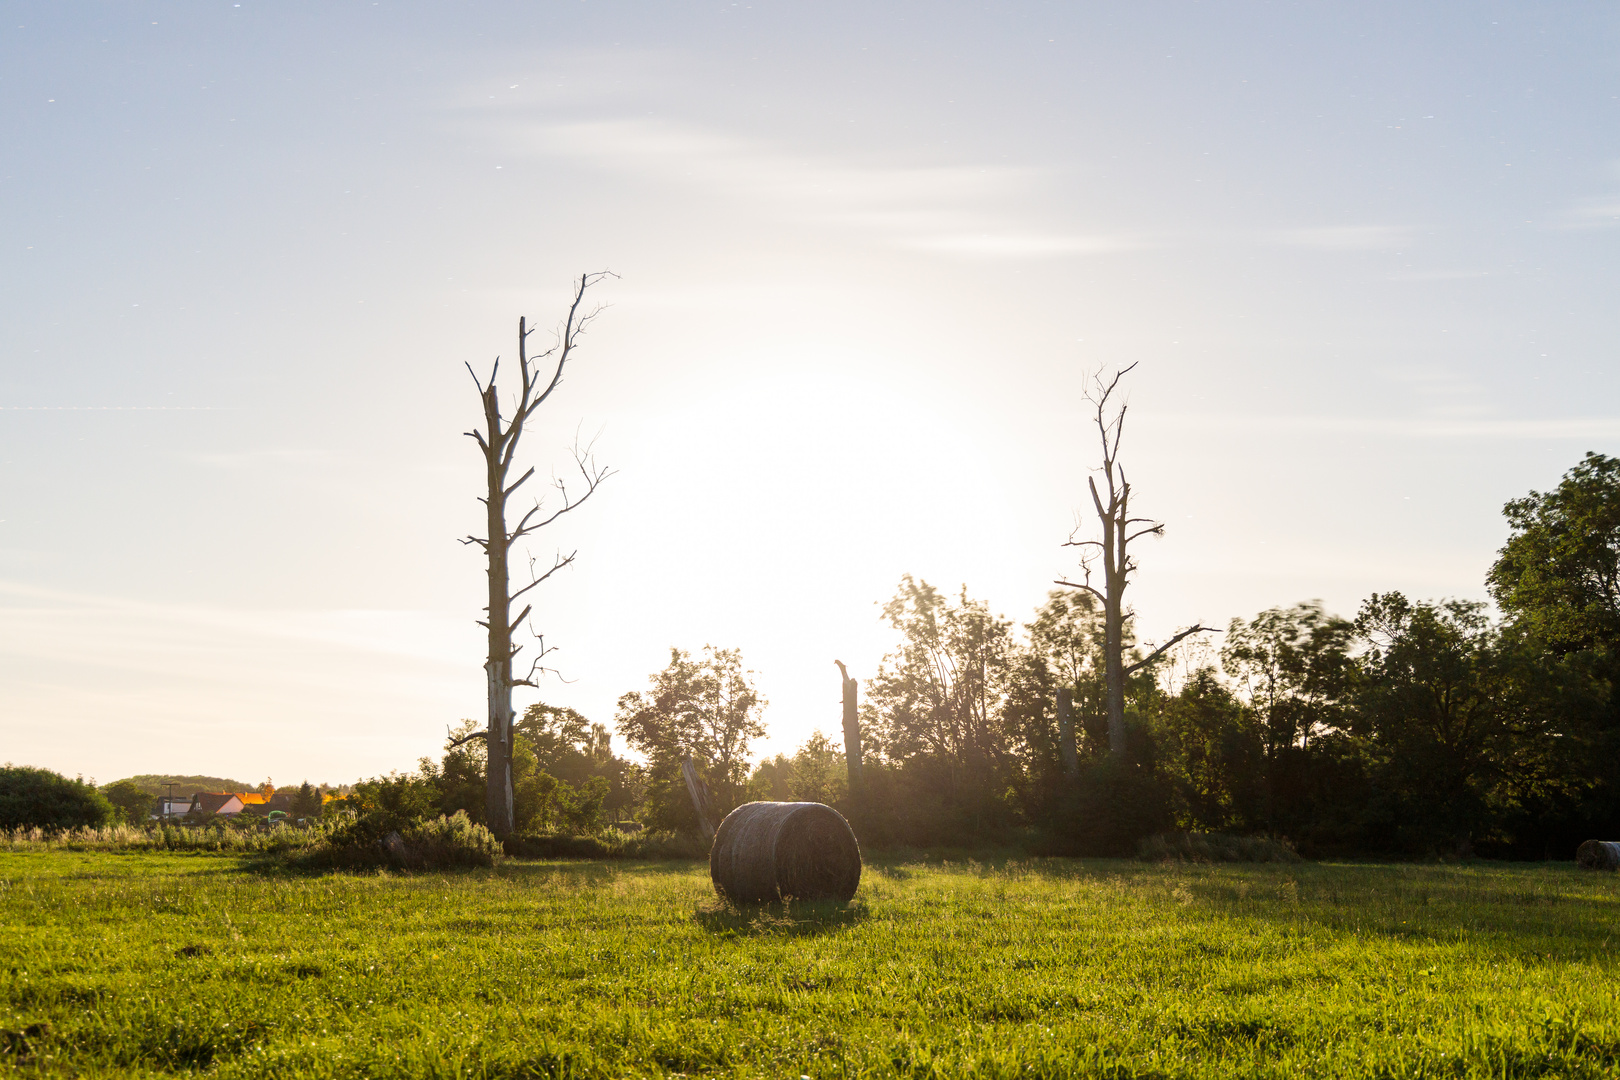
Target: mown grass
x,y
153,964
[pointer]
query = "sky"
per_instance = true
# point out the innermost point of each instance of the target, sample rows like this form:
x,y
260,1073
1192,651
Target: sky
x,y
1363,256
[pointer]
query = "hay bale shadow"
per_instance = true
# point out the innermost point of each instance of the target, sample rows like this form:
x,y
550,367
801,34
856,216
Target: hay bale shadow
x,y
792,918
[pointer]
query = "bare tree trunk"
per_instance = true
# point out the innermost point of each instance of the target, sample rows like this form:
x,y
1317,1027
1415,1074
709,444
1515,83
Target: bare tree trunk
x,y
1068,753
1113,514
852,730
498,665
701,801
498,442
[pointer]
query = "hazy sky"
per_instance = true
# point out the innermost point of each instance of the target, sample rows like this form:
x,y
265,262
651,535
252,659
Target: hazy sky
x,y
1364,254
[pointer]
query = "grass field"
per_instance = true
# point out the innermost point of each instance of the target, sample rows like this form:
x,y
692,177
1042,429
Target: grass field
x,y
158,964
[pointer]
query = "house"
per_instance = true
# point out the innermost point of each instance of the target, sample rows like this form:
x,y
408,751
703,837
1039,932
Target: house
x,y
216,804
172,806
261,805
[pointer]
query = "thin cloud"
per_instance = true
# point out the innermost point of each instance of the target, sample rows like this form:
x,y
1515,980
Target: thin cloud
x,y
942,208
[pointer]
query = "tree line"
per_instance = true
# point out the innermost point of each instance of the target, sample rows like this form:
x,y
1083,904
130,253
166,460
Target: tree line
x,y
1413,726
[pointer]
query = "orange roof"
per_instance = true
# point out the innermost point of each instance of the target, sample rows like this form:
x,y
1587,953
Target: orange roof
x,y
251,798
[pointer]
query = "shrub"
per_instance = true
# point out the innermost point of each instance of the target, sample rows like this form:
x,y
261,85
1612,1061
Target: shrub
x,y
133,802
447,842
1213,848
441,844
40,799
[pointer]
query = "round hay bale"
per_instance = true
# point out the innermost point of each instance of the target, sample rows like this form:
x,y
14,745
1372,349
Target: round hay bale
x,y
767,851
1598,855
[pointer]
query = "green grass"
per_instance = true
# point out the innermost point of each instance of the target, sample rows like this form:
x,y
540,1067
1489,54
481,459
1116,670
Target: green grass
x,y
152,964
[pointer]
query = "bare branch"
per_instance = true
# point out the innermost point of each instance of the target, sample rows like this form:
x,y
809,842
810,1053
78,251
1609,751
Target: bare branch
x,y
1096,500
1081,585
1162,649
573,328
535,668
593,474
518,482
467,738
557,565
1157,530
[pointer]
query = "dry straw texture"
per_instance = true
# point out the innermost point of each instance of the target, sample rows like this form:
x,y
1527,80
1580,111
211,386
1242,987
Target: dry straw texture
x,y
1599,855
767,851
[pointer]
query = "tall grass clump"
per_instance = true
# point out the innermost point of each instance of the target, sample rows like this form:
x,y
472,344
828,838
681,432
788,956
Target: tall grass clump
x,y
372,840
215,838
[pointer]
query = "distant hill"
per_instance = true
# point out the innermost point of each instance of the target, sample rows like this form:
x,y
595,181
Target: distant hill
x,y
187,785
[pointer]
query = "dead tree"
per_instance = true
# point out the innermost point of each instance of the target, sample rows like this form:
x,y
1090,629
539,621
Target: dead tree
x,y
499,445
702,800
1119,529
852,730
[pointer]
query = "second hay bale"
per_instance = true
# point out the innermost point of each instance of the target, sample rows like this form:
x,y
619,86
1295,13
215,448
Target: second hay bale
x,y
766,851
1598,855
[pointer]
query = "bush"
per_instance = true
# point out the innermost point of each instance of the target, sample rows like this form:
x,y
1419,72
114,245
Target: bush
x,y
446,842
40,799
441,844
133,802
1213,848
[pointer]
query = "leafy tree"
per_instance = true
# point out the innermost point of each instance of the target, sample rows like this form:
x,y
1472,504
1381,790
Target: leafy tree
x,y
1465,718
556,734
1294,668
940,693
1559,572
1212,754
937,713
818,773
815,773
705,707
577,752
306,801
132,801
771,780
39,798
